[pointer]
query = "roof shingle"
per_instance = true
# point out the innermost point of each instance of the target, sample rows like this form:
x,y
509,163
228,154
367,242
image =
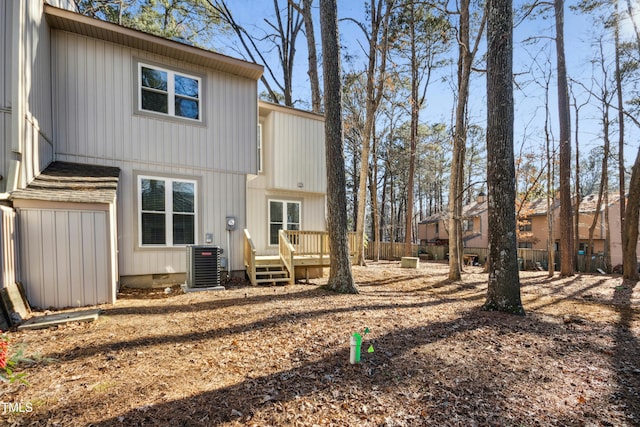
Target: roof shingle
x,y
73,182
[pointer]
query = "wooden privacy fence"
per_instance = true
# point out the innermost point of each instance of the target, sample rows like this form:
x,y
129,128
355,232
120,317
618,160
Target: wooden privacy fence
x,y
528,259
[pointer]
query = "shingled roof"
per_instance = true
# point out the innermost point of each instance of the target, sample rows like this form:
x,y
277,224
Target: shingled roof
x,y
72,182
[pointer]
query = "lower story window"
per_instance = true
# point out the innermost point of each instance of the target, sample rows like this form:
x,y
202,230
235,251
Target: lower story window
x,y
282,216
167,209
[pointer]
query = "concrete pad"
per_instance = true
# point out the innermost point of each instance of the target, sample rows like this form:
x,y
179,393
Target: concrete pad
x,y
187,289
50,320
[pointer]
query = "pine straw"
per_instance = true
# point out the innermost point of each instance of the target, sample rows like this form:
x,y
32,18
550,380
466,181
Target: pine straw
x,y
279,356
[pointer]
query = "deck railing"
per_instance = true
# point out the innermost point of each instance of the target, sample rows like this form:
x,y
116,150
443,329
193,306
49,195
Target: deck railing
x,y
316,243
250,257
287,252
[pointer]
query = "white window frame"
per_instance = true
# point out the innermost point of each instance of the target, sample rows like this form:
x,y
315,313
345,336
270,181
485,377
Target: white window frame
x,y
171,95
285,223
168,212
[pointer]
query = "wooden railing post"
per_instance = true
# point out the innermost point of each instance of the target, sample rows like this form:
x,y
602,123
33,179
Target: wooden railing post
x,y
287,252
250,257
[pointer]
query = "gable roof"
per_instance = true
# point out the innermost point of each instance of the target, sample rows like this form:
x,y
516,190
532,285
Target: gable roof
x,y
264,108
72,182
72,22
471,210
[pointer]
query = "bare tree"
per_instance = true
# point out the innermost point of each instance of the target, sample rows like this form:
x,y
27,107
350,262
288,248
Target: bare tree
x,y
503,292
466,56
284,34
380,14
340,277
304,8
564,118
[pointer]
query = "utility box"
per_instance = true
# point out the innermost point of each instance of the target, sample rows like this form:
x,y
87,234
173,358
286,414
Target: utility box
x,y
203,266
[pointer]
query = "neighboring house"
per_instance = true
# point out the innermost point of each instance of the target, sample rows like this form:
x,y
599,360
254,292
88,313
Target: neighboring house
x,y
120,148
434,229
533,226
585,220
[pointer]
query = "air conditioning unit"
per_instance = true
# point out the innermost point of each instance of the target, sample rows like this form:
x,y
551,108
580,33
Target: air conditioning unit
x,y
203,266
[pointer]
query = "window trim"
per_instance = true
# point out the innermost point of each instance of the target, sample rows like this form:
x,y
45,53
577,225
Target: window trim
x,y
284,223
168,180
171,73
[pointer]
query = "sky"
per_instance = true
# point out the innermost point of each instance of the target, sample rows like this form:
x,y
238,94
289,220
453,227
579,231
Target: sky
x,y
580,31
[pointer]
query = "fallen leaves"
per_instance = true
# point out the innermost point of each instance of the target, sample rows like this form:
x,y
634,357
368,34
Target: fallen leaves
x,y
280,356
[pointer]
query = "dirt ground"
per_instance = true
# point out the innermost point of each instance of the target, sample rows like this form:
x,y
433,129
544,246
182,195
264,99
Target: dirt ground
x,y
279,356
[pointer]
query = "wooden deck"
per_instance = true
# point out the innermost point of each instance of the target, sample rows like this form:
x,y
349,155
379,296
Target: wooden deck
x,y
296,248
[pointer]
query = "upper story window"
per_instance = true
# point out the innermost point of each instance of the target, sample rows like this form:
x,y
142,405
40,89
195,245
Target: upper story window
x,y
467,225
525,226
169,92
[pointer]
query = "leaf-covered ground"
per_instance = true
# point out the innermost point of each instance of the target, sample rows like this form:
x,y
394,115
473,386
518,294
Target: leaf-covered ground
x,y
279,356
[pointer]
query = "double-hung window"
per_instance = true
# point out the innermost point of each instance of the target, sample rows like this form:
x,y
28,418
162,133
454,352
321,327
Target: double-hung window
x,y
168,92
167,211
282,216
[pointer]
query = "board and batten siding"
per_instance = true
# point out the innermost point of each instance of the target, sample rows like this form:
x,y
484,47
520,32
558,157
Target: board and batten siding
x,y
67,255
297,153
6,52
6,81
35,141
8,244
97,124
95,83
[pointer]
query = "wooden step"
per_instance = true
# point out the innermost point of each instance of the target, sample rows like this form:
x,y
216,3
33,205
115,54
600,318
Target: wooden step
x,y
273,280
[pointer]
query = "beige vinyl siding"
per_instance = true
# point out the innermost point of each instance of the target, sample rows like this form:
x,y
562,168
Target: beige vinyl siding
x,y
5,137
97,124
68,253
94,107
297,153
63,4
219,195
8,244
31,128
6,26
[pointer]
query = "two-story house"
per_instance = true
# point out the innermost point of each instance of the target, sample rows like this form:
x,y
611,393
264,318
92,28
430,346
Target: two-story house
x,y
120,148
433,230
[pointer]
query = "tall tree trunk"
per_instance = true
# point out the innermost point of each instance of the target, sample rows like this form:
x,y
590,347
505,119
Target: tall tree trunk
x,y
503,292
340,277
629,250
374,91
413,138
466,54
312,56
566,223
576,215
621,183
374,198
550,191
